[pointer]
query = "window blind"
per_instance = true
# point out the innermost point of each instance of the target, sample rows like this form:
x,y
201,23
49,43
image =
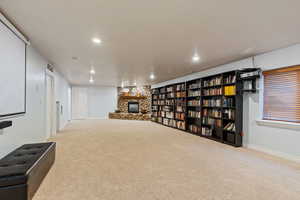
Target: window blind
x,y
282,94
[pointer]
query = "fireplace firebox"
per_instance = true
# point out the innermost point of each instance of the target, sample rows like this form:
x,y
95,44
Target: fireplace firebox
x,y
133,107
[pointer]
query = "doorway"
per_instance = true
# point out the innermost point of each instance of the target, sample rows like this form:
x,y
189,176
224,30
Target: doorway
x,y
50,107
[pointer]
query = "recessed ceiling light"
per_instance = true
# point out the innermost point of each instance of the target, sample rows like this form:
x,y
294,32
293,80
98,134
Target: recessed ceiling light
x,y
91,80
196,58
152,76
92,71
96,40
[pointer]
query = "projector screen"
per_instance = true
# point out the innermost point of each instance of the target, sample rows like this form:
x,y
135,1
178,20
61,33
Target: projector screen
x,y
12,73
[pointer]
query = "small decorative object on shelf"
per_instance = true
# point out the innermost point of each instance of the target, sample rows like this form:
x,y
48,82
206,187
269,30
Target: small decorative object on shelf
x,y
248,77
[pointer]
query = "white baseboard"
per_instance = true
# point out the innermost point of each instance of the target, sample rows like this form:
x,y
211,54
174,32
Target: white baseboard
x,y
275,153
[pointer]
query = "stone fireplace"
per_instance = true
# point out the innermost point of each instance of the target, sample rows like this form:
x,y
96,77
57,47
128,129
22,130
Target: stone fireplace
x,y
134,103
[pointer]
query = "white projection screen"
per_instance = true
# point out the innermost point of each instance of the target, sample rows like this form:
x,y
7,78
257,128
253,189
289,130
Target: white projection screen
x,y
12,73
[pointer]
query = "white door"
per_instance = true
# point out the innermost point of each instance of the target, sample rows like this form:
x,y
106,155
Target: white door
x,y
50,114
79,103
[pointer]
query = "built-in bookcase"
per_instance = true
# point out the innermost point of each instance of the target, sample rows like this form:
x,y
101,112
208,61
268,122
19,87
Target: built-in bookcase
x,y
210,107
180,106
194,99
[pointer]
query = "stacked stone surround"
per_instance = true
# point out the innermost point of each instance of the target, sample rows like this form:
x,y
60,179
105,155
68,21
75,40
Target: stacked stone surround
x,y
144,104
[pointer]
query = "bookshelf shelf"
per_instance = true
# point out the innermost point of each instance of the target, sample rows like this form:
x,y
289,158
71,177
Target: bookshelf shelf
x,y
211,107
228,84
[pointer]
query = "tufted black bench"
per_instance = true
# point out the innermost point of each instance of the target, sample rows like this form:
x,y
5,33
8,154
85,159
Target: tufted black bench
x,y
23,170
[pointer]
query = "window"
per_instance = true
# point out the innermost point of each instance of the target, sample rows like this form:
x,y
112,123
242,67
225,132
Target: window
x,y
282,94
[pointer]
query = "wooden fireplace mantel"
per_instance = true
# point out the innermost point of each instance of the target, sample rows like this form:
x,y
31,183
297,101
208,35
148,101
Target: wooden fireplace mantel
x,y
133,97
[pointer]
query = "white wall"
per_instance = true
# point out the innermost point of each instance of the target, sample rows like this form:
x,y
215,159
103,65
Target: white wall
x,y
93,102
264,137
269,137
101,101
30,127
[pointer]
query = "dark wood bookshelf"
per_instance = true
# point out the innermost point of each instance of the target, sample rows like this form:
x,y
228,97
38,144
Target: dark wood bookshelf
x,y
211,107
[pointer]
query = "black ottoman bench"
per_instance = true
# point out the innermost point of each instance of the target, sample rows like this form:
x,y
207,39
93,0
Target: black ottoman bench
x,y
23,170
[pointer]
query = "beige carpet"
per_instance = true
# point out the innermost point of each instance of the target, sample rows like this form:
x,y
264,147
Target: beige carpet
x,y
133,160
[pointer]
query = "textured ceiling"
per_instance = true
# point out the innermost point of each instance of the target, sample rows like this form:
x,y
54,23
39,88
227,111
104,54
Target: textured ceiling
x,y
143,37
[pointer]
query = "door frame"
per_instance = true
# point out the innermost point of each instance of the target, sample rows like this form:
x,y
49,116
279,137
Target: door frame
x,y
52,122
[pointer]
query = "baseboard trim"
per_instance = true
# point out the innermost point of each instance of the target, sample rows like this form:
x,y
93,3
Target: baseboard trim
x,y
274,153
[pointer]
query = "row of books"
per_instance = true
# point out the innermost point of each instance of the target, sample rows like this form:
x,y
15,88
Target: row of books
x,y
229,79
194,103
213,91
162,90
211,121
180,94
170,89
154,108
164,114
169,102
170,115
229,114
171,95
212,102
180,125
212,82
206,131
180,116
161,114
229,102
166,108
180,102
194,114
154,114
180,108
194,129
229,90
194,93
162,96
195,85
169,122
172,123
155,102
158,102
180,87
212,113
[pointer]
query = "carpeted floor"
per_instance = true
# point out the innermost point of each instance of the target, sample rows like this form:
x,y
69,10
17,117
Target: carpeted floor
x,y
134,160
